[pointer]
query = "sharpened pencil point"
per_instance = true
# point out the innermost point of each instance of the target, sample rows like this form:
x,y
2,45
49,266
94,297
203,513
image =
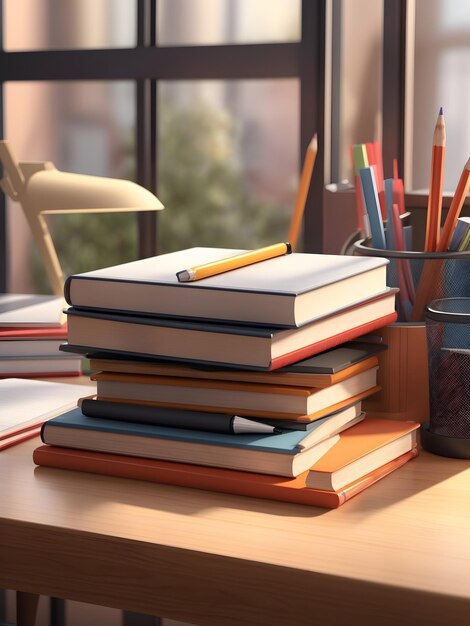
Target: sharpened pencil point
x,y
441,111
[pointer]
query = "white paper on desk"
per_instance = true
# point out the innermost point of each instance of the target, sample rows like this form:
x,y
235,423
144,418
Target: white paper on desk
x,y
25,310
25,403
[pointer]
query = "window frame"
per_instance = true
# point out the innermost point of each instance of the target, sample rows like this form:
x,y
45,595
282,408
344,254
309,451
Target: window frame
x,y
147,63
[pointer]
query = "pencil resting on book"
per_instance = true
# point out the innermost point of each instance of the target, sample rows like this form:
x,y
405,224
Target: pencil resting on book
x,y
234,262
433,221
302,192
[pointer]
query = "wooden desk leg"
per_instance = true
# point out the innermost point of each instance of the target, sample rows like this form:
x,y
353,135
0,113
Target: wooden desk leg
x,y
26,608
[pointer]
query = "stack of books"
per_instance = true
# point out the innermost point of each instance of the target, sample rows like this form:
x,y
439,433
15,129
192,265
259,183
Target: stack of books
x,y
32,329
240,383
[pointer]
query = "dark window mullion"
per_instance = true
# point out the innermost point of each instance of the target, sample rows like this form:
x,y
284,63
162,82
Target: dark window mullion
x,y
393,87
145,142
312,114
237,61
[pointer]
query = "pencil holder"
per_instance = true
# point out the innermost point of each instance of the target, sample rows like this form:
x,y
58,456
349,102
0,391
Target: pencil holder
x,y
403,368
448,338
421,277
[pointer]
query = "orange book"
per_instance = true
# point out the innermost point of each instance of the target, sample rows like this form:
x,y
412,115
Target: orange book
x,y
211,478
230,396
360,450
304,417
277,377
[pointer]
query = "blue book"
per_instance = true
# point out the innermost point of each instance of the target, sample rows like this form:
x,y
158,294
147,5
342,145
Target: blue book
x,y
371,198
287,454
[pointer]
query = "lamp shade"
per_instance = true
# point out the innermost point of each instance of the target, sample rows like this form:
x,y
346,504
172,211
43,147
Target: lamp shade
x,y
53,191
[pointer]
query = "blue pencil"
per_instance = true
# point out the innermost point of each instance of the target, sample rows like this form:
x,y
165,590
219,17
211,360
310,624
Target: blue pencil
x,y
388,185
374,213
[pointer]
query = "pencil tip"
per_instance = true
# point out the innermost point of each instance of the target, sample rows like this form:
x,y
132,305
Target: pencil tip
x,y
441,111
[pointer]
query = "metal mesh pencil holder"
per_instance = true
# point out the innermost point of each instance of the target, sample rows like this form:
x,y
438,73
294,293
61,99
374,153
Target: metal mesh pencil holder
x,y
421,277
448,338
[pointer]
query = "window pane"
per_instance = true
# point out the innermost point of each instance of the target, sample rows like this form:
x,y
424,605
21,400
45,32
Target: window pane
x,y
208,22
442,61
228,162
59,24
82,127
357,117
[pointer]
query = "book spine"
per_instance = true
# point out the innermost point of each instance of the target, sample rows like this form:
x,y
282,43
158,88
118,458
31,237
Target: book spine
x,y
67,285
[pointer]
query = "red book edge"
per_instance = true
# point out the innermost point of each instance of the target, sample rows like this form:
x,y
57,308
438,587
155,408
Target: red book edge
x,y
331,342
41,374
18,437
51,332
210,478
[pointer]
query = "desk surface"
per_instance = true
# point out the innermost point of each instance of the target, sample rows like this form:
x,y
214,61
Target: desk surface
x,y
399,551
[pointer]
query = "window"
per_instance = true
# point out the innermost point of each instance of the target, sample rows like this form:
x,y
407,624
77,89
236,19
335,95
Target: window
x,y
210,107
441,62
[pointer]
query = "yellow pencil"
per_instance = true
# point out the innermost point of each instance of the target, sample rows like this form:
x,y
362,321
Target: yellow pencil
x,y
304,185
233,262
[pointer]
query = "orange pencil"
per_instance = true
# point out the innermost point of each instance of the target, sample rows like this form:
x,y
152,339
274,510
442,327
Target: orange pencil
x,y
433,222
455,208
304,185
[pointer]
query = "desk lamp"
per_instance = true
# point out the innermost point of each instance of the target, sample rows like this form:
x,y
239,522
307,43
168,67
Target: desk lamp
x,y
42,189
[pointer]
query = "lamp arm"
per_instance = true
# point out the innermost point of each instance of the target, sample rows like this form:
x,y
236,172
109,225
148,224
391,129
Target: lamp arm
x,y
43,240
7,188
14,182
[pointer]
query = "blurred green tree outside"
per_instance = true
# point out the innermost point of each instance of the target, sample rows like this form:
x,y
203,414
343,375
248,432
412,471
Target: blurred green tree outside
x,y
207,199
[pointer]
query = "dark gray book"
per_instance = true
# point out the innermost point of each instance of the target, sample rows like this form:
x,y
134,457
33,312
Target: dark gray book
x,y
337,359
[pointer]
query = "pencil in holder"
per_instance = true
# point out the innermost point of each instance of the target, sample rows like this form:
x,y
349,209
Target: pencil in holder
x,y
448,339
421,277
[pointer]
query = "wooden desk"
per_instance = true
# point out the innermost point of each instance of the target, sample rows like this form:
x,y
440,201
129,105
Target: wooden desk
x,y
398,553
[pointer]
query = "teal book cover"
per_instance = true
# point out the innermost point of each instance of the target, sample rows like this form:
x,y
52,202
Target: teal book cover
x,y
288,442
